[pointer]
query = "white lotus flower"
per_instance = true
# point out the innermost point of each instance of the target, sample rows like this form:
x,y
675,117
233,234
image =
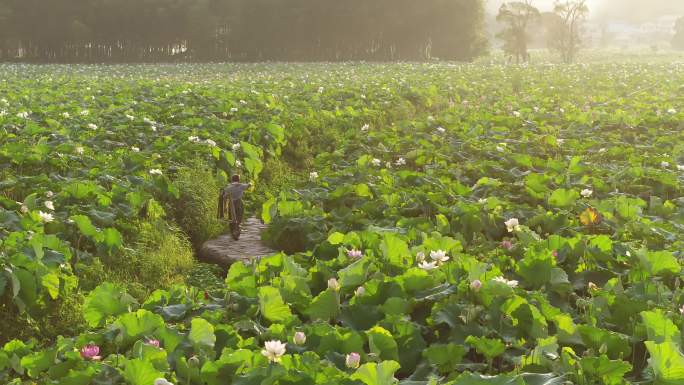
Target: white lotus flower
x,y
320,90
516,114
193,139
162,381
439,256
586,193
511,284
512,225
671,111
3,113
243,102
130,117
24,209
664,164
66,115
365,127
49,194
680,167
360,291
155,171
500,149
135,149
23,115
49,205
92,126
427,265
400,162
79,150
234,110
273,350
45,217
150,122
236,146
238,164
441,129
333,284
210,142
313,175
376,162
84,112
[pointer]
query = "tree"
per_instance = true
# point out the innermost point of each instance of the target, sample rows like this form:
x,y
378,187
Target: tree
x,y
678,40
517,16
565,27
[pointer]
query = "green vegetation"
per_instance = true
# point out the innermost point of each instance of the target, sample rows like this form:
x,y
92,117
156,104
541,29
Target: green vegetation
x,y
197,204
444,224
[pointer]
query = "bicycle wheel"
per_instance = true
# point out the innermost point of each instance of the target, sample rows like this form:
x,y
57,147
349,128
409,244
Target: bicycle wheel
x,y
235,230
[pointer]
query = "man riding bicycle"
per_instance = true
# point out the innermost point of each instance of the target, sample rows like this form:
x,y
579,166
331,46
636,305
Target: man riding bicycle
x,y
230,199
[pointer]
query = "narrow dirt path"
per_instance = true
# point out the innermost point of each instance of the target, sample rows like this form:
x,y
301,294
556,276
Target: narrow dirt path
x,y
224,250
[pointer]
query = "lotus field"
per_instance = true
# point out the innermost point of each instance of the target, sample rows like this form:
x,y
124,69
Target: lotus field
x,y
438,224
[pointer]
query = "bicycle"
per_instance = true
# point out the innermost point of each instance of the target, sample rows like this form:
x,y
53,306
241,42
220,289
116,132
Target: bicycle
x,y
227,204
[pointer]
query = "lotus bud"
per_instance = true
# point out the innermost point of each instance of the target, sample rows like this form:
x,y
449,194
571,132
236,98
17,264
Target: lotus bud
x,y
299,338
592,287
333,284
193,362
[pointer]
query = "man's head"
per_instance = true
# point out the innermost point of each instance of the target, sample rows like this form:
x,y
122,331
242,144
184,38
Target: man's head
x,y
235,178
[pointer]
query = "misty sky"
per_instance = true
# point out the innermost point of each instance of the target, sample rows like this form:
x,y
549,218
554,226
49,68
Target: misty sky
x,y
620,10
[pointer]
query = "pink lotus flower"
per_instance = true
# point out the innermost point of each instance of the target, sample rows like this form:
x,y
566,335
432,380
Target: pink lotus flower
x,y
91,352
153,342
353,360
354,254
555,253
476,285
506,244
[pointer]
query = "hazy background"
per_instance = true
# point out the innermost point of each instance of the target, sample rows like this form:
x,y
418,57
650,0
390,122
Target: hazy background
x,y
616,10
623,24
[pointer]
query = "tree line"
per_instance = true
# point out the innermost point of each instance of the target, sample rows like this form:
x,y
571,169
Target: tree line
x,y
240,30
